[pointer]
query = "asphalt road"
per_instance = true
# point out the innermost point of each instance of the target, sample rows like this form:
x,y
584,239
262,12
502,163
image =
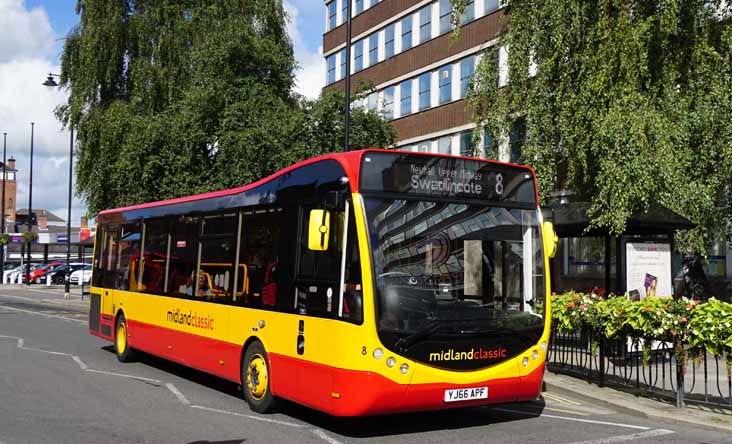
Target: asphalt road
x,y
58,384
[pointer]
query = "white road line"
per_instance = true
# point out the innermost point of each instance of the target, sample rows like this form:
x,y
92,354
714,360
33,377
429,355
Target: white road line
x,y
257,418
322,435
624,438
178,394
80,362
566,418
122,375
63,318
45,351
560,399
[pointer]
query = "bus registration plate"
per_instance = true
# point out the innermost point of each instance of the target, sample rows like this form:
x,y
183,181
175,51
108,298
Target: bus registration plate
x,y
466,394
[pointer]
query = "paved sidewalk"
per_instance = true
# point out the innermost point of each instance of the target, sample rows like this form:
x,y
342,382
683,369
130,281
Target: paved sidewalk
x,y
54,295
709,418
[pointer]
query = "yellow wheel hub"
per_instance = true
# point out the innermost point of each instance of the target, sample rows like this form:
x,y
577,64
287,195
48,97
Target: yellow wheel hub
x,y
121,338
257,377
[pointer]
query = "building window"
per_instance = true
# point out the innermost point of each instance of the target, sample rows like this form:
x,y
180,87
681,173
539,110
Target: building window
x,y
343,63
406,99
487,144
389,103
373,101
389,45
344,10
331,68
374,49
467,67
359,7
466,144
425,24
444,145
516,140
445,74
490,6
445,16
332,15
358,56
425,81
406,33
469,13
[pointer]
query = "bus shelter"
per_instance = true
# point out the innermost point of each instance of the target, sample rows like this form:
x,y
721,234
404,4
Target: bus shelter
x,y
640,261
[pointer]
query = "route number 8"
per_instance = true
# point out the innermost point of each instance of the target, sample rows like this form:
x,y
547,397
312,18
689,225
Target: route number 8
x,y
499,183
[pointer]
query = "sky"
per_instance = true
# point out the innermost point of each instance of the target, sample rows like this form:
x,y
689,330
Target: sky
x,y
30,47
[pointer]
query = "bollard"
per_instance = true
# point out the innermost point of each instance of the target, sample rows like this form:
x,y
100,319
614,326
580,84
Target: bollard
x,y
48,280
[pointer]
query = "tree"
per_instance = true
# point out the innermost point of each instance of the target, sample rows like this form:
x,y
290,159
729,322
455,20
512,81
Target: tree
x,y
178,97
630,105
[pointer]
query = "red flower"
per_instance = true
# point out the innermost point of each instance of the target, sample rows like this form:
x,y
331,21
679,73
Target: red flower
x,y
665,306
582,307
648,308
576,297
683,320
570,304
689,306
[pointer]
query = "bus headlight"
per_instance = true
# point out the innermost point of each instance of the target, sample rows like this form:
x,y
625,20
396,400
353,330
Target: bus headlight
x,y
535,354
543,346
404,369
525,362
391,362
378,353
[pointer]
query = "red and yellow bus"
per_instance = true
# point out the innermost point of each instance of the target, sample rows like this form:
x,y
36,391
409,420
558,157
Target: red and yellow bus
x,y
359,283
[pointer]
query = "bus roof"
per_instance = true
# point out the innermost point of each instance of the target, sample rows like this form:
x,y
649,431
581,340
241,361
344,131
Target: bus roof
x,y
350,161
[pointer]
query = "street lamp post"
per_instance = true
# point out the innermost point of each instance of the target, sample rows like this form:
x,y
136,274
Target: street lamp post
x,y
51,83
30,210
2,253
347,106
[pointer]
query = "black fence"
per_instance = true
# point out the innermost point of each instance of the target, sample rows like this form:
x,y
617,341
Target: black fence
x,y
703,379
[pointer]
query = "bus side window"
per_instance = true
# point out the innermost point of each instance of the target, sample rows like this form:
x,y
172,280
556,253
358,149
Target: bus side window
x,y
152,279
128,257
216,267
99,249
110,260
258,259
183,256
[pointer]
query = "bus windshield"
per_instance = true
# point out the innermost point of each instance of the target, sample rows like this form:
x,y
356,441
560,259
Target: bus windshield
x,y
446,269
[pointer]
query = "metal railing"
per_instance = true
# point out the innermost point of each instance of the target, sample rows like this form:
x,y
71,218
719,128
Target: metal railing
x,y
704,379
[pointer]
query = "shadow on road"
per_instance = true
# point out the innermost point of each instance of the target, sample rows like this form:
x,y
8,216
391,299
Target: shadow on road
x,y
362,427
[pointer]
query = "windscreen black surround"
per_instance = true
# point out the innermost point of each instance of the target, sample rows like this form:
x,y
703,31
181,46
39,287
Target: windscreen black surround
x,y
458,258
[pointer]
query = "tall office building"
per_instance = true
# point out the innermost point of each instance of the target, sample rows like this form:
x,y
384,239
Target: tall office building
x,y
419,72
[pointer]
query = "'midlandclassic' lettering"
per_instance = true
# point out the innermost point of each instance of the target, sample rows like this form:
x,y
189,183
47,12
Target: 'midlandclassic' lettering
x,y
430,179
190,319
452,355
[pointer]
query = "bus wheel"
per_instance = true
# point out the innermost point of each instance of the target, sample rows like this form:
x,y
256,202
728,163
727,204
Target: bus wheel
x,y
121,347
255,380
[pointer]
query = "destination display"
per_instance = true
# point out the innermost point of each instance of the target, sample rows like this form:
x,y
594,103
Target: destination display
x,y
440,176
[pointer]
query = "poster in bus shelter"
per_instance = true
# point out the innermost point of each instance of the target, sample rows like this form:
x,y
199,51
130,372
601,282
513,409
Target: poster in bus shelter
x,y
648,274
648,269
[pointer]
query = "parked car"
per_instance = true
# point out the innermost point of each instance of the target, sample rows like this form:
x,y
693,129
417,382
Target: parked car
x,y
21,270
35,275
58,274
10,272
83,275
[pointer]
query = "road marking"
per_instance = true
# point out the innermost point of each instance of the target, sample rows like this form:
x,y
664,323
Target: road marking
x,y
322,435
80,362
631,437
257,418
571,412
560,399
178,394
122,375
566,418
63,318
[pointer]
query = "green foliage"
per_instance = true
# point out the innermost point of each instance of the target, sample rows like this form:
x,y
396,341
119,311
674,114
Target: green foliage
x,y
29,236
706,326
171,98
4,239
630,105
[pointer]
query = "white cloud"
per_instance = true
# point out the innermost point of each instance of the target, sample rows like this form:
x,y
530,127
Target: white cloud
x,y
26,41
310,76
25,33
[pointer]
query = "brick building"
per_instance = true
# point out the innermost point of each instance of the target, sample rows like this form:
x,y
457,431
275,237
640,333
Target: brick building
x,y
419,72
10,190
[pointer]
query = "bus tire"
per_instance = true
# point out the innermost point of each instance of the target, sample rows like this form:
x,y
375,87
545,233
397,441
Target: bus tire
x,y
255,380
121,346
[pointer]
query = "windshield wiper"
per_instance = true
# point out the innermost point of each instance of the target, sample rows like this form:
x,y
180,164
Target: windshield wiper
x,y
404,343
